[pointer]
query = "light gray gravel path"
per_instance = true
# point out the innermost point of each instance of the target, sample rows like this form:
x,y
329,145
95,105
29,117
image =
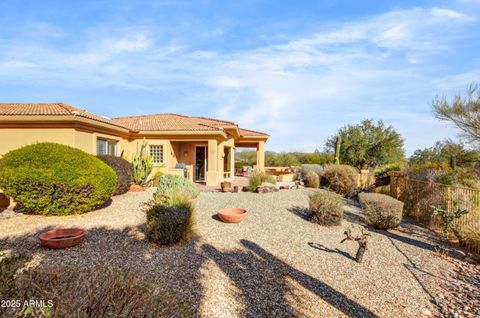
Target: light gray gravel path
x,y
274,263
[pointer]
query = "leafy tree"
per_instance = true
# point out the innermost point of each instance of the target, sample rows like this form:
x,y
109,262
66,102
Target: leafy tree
x,y
281,160
317,157
446,151
246,157
462,111
368,144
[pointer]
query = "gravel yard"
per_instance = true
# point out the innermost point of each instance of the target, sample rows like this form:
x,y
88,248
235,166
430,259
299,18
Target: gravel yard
x,y
274,263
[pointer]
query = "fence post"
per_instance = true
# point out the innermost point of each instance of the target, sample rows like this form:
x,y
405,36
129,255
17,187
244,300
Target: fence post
x,y
395,177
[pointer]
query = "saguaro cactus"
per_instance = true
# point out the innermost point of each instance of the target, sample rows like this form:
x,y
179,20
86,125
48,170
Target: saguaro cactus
x,y
142,163
337,150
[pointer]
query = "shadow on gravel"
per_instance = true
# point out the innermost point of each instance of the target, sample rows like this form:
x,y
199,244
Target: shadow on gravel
x,y
354,218
323,248
216,218
176,269
262,280
302,212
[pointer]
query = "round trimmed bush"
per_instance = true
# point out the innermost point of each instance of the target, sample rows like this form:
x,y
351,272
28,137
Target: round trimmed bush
x,y
53,179
382,211
169,184
312,180
302,171
326,208
123,169
341,179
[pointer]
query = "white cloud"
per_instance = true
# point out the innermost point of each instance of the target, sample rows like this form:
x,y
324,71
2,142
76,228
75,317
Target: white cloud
x,y
300,89
445,13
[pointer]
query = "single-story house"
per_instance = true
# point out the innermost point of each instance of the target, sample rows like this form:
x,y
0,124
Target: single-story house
x,y
204,146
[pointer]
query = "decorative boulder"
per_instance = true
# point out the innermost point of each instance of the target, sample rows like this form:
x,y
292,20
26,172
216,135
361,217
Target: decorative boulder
x,y
266,187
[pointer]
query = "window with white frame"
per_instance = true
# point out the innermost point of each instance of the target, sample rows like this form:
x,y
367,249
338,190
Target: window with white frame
x,y
106,147
156,151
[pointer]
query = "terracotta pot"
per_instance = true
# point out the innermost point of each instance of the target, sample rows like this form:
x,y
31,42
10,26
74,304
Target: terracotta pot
x,y
62,238
136,188
226,186
232,215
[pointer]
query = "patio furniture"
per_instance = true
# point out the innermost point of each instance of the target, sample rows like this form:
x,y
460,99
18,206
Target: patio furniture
x,y
183,166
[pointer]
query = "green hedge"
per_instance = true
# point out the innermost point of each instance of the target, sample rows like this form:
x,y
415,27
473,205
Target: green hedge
x,y
53,179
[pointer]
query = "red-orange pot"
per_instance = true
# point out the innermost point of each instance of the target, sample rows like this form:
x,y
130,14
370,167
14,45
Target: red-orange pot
x,y
62,238
232,215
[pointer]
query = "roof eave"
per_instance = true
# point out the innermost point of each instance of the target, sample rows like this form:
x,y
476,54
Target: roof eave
x,y
59,119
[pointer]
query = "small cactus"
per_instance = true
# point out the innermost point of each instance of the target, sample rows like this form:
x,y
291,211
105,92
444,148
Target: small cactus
x,y
337,150
142,163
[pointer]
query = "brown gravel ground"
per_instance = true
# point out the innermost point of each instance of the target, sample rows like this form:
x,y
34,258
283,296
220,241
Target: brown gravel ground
x,y
273,264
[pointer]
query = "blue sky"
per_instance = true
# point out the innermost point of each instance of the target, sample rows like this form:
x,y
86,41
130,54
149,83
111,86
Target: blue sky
x,y
298,70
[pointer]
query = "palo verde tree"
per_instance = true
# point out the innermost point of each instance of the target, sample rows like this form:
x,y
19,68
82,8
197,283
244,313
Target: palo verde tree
x,y
367,145
463,112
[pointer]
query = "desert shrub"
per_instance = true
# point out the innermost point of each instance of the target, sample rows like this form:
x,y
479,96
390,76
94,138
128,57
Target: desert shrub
x,y
123,169
383,171
169,184
442,173
326,207
382,211
53,179
471,236
76,291
341,179
305,168
427,171
312,180
257,178
170,221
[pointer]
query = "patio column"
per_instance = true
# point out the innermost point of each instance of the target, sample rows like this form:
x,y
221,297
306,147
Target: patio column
x,y
261,155
212,163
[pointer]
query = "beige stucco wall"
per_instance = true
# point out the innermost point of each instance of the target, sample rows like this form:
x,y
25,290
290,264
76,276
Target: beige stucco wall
x,y
173,151
13,138
221,159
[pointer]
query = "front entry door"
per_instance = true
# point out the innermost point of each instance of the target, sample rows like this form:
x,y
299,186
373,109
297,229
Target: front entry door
x,y
200,163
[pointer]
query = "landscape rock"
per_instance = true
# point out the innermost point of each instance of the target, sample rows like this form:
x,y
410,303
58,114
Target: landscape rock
x,y
266,187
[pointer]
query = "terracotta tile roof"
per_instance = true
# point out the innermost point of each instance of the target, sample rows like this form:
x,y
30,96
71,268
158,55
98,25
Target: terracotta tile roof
x,y
156,122
214,121
49,109
169,122
248,132
166,122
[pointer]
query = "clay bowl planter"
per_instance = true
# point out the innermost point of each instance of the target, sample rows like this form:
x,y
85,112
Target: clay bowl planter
x,y
136,188
62,238
232,215
226,186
